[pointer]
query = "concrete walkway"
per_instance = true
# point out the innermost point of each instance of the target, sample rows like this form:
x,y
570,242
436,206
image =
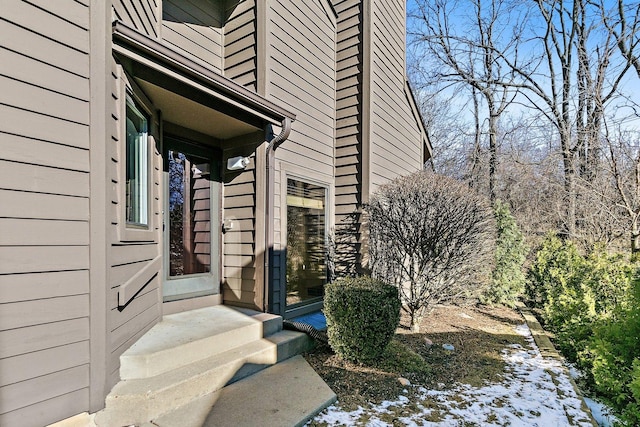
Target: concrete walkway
x,y
287,394
547,350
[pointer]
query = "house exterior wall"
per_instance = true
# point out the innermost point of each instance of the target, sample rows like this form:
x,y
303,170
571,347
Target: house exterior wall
x,y
379,134
241,43
396,140
44,211
350,158
194,27
143,15
299,74
243,272
241,275
301,77
66,256
128,255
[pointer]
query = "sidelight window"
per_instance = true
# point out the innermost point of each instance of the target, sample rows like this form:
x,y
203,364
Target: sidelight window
x,y
137,167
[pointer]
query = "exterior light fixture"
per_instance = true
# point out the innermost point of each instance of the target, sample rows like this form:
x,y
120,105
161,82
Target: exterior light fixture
x,y
237,163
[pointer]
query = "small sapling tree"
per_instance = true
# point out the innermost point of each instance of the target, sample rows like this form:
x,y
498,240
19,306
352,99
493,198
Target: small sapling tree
x,y
433,237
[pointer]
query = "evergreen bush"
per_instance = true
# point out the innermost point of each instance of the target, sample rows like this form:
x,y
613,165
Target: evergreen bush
x,y
611,358
592,304
508,279
362,316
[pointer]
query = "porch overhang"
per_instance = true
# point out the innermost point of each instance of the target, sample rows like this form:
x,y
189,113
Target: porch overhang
x,y
189,93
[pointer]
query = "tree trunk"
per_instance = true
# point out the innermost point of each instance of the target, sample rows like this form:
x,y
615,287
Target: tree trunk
x,y
635,241
493,152
415,323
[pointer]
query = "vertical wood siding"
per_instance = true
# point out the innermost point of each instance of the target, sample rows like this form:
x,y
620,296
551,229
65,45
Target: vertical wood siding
x,y
240,43
194,27
139,14
396,140
44,211
301,64
349,159
127,324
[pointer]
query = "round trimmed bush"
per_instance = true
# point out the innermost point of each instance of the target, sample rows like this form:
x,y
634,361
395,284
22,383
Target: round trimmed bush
x,y
362,316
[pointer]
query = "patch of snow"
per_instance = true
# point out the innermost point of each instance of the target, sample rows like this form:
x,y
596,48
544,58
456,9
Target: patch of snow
x,y
601,412
534,392
573,371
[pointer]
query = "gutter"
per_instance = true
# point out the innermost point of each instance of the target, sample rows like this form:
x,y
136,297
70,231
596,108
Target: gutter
x,y
269,206
162,58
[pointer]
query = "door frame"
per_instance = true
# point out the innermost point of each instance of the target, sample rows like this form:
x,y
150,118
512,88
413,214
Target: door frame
x,y
214,156
299,173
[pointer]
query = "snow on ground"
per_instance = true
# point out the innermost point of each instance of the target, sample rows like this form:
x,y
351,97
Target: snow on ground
x,y
534,392
601,413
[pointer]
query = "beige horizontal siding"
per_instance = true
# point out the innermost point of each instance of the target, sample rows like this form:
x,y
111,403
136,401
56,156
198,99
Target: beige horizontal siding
x,y
194,27
240,43
44,211
56,408
348,153
125,259
139,14
238,283
49,397
19,204
302,77
14,342
396,139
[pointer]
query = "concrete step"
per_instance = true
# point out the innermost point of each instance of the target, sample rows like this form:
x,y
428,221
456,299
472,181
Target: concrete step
x,y
287,394
184,338
271,323
138,400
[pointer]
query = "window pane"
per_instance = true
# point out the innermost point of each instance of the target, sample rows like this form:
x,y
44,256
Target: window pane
x,y
306,242
189,214
136,167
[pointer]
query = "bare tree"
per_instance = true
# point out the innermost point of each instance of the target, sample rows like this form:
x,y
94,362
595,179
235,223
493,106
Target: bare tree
x,y
576,63
433,237
624,163
444,125
467,50
624,25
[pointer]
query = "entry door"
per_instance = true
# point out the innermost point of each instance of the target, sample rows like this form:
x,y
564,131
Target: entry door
x,y
191,220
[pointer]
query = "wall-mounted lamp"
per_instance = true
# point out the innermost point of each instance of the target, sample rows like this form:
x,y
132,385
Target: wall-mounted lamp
x,y
227,225
237,163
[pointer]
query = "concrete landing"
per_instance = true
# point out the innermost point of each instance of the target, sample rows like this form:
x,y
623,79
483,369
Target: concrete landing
x,y
188,337
184,362
287,394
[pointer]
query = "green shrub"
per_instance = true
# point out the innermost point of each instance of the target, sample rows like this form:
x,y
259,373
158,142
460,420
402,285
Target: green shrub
x,y
592,304
362,316
611,358
557,265
508,279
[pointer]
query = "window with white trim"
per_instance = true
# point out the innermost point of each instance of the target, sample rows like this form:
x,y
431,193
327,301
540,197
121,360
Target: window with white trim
x,y
137,167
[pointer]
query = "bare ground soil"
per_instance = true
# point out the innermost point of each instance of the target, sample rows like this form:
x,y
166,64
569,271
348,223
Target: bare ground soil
x,y
478,334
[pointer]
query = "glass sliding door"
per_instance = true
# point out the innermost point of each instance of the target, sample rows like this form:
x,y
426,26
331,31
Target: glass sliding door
x,y
191,213
306,272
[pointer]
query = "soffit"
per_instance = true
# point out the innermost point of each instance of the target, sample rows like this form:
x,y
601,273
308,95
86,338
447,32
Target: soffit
x,y
193,115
